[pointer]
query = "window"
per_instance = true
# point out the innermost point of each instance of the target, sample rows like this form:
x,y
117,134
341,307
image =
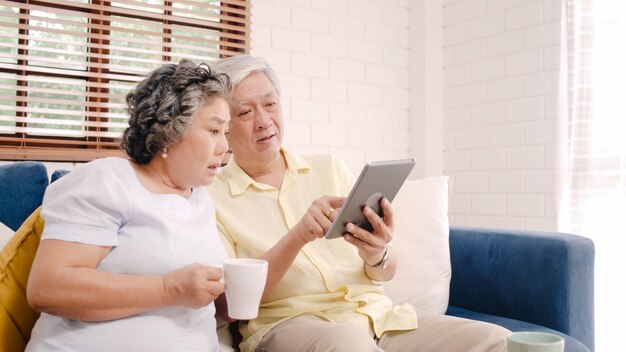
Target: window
x,y
66,66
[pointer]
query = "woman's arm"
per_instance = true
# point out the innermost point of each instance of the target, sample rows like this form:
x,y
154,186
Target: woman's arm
x,y
64,282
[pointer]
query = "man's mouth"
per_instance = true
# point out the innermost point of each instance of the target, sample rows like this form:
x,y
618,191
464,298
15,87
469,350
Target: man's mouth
x,y
264,139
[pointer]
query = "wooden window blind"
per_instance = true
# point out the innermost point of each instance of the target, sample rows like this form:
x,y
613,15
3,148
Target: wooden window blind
x,y
66,66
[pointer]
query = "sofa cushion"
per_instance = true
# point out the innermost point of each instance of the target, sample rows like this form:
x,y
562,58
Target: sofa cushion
x,y
22,185
571,344
421,240
16,258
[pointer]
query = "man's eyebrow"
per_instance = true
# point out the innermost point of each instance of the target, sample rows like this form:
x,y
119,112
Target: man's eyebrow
x,y
241,103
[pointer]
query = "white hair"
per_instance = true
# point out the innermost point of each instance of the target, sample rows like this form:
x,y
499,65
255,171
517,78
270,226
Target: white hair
x,y
241,66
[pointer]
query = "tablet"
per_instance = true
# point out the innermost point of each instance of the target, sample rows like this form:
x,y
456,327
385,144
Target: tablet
x,y
377,179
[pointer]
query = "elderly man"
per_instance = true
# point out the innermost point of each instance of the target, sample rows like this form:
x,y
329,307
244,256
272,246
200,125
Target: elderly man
x,y
320,294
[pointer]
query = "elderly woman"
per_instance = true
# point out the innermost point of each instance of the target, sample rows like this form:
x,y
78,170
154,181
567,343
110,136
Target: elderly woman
x,y
125,258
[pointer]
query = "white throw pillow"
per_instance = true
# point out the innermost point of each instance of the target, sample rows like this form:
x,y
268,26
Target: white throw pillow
x,y
421,240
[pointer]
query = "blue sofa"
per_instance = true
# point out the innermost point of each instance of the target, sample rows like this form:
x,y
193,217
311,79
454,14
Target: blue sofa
x,y
521,280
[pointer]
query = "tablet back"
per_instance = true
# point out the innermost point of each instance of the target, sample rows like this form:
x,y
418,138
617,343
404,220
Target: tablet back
x,y
377,179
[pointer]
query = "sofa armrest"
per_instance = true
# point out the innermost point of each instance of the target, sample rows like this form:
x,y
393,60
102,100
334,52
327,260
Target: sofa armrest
x,y
544,278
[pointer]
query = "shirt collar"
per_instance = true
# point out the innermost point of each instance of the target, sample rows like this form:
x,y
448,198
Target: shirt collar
x,y
238,181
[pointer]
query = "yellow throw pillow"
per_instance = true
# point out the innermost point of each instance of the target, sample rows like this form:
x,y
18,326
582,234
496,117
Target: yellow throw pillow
x,y
17,318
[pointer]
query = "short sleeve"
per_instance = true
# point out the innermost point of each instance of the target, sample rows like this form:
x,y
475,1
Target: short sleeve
x,y
89,205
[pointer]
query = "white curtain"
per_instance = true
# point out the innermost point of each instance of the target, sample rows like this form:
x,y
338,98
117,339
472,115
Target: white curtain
x,y
593,149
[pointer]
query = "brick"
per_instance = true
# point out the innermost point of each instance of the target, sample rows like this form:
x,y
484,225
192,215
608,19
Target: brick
x,y
470,51
468,9
395,139
396,56
385,154
457,75
339,7
551,10
279,60
524,109
329,135
448,15
524,62
381,74
487,114
364,94
498,5
525,204
525,157
551,106
291,40
508,88
547,34
271,13
459,203
456,33
365,51
310,65
396,15
396,97
354,158
347,70
505,43
384,117
506,135
344,26
541,132
448,140
448,57
489,69
310,20
456,118
541,224
470,94
365,137
456,160
329,90
261,35
365,9
487,159
540,181
347,114
542,83
404,78
468,220
470,138
300,3
295,86
470,182
381,33
505,222
309,110
297,133
523,16
487,25
506,181
488,204
551,57
327,45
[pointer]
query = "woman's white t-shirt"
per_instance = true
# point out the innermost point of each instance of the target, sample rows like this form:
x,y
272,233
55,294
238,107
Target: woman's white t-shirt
x,y
103,203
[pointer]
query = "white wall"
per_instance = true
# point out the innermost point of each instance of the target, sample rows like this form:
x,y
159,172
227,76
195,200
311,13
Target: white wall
x,y
501,61
344,69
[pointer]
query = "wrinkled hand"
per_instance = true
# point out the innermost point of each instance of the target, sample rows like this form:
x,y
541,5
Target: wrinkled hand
x,y
193,286
318,218
372,245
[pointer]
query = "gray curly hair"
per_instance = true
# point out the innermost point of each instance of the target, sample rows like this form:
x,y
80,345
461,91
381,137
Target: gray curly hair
x,y
165,103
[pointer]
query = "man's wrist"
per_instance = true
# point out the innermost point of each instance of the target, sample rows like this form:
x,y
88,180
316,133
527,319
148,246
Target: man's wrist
x,y
384,261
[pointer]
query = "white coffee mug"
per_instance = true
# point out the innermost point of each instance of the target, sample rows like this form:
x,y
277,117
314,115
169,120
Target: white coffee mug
x,y
534,341
245,281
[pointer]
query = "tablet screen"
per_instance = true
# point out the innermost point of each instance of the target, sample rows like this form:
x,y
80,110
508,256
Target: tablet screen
x,y
377,179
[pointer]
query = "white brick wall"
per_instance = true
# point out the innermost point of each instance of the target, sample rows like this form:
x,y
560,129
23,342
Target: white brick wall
x,y
343,65
501,60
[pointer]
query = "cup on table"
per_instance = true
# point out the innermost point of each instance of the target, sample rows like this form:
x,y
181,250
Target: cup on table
x,y
244,280
534,341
